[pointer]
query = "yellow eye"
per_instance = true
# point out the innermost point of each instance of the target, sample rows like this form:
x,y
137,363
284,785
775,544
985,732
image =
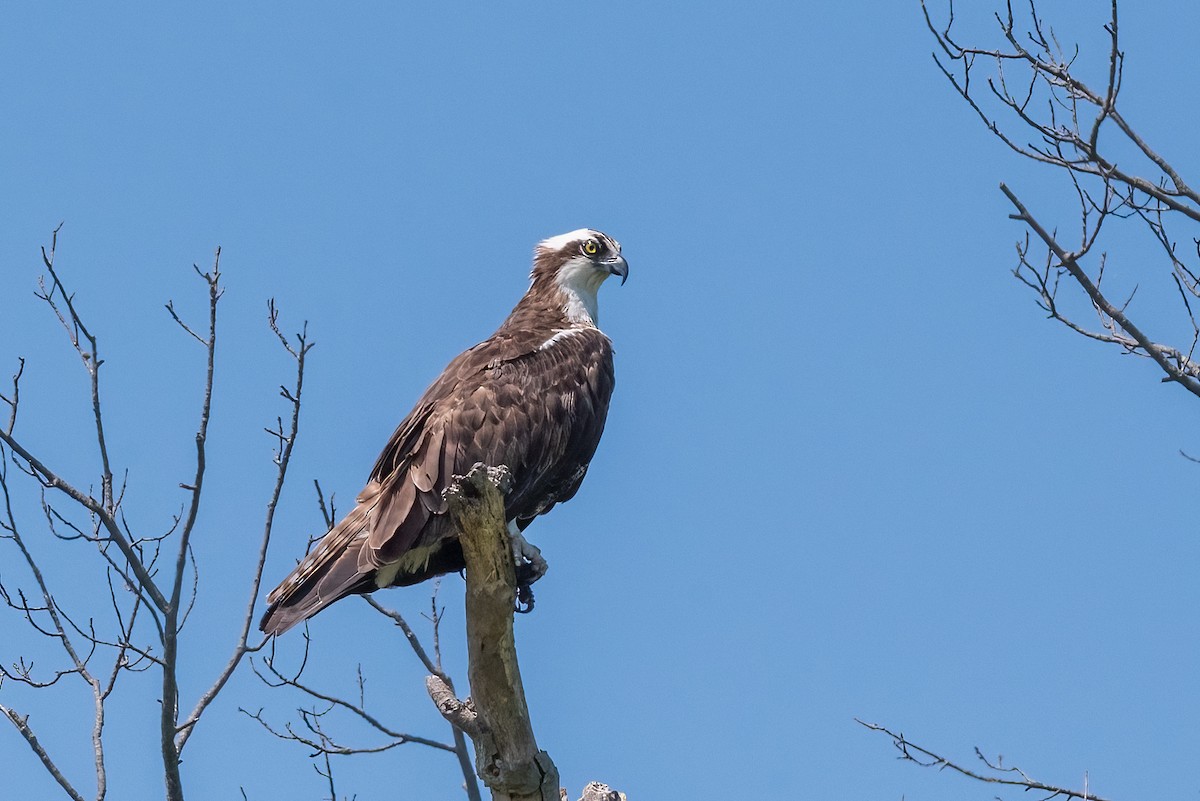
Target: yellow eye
x,y
591,247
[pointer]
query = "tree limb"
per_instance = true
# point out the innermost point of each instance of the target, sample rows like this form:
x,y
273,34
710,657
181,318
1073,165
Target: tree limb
x,y
169,710
1114,171
22,725
496,716
507,758
283,458
911,752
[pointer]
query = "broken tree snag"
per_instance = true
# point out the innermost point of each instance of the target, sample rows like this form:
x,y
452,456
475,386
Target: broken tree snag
x,y
507,758
595,791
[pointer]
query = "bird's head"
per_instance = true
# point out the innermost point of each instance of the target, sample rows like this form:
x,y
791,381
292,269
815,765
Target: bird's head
x,y
576,264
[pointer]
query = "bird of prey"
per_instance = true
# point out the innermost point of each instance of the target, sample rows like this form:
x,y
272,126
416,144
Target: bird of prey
x,y
533,397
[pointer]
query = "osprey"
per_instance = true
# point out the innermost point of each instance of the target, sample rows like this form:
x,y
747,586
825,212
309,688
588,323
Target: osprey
x,y
533,397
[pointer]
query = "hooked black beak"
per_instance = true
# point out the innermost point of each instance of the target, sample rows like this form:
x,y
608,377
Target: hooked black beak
x,y
617,266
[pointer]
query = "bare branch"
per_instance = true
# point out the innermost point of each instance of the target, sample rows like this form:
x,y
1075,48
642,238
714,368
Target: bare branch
x,y
1008,776
21,723
169,715
461,714
1172,362
287,441
318,740
170,306
436,674
327,774
327,513
14,401
507,758
90,356
281,680
1067,120
105,507
56,630
409,634
52,479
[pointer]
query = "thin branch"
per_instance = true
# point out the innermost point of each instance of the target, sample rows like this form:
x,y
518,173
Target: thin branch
x,y
283,459
52,479
356,709
318,741
90,357
409,634
104,508
327,513
170,687
470,783
911,752
14,401
1162,355
58,632
21,723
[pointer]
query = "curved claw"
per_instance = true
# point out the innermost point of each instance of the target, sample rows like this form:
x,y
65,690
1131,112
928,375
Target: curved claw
x,y
530,566
524,603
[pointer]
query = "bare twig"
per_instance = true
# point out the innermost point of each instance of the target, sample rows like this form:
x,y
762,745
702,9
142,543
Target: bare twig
x,y
317,738
287,441
435,670
281,680
1008,776
21,722
318,741
1173,362
328,514
135,580
14,401
170,693
104,508
1079,129
409,634
57,631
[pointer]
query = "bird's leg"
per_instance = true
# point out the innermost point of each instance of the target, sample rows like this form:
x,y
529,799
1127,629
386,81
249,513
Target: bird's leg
x,y
530,565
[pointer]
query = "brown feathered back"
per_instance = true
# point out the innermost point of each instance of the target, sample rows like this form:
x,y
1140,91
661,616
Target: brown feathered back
x,y
533,396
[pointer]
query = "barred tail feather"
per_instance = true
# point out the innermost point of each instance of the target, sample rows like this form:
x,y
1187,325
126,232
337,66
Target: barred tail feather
x,y
330,572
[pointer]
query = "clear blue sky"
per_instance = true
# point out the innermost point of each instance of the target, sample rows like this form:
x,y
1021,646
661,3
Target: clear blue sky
x,y
849,470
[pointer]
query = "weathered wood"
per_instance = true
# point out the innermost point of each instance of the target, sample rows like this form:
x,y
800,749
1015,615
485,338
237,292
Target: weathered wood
x,y
507,758
595,791
496,717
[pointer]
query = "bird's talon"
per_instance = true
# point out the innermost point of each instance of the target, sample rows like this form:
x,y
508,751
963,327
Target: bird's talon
x,y
524,603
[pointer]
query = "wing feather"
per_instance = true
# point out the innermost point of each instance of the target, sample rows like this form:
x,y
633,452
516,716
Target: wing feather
x,y
426,469
540,411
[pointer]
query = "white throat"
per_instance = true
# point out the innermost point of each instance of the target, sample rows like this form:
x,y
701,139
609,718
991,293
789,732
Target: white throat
x,y
579,280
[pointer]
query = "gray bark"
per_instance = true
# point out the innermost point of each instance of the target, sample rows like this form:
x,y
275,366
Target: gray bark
x,y
496,717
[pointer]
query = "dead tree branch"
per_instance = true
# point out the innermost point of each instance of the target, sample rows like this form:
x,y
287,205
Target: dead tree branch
x,y
496,717
104,508
435,670
1038,105
13,401
283,457
169,715
311,717
312,729
993,772
21,722
507,758
150,599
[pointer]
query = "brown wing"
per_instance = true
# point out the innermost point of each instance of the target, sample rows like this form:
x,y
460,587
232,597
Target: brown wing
x,y
538,410
344,561
550,432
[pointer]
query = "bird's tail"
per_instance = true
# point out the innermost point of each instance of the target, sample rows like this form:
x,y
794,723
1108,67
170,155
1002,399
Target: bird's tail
x,y
333,569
